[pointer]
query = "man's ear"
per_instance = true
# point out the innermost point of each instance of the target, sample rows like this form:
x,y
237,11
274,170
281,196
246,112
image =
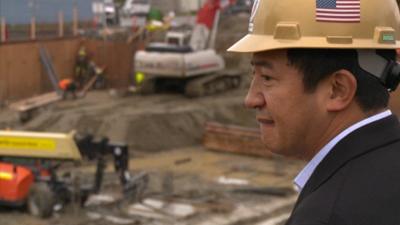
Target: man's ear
x,y
342,89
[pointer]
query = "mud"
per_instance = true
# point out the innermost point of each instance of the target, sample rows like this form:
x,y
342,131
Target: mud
x,y
161,131
149,123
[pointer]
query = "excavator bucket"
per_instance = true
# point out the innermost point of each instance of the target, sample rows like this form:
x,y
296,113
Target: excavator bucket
x,y
39,145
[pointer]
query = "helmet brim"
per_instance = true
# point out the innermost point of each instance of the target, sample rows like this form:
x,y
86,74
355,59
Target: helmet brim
x,y
258,43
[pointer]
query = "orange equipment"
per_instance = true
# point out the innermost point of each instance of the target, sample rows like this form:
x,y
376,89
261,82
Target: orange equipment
x,y
28,164
27,169
15,182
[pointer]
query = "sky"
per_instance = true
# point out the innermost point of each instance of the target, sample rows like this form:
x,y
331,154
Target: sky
x,y
20,11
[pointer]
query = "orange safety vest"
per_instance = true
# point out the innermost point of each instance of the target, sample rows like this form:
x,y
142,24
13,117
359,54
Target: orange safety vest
x,y
64,83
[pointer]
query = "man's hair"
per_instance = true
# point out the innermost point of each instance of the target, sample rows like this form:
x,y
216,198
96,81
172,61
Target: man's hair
x,y
317,64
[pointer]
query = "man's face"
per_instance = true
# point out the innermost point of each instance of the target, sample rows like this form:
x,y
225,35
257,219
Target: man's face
x,y
289,117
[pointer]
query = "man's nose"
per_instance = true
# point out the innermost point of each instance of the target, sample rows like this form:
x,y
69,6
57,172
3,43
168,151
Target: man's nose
x,y
254,98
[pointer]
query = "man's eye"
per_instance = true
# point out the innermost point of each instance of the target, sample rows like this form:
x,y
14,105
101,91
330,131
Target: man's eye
x,y
266,77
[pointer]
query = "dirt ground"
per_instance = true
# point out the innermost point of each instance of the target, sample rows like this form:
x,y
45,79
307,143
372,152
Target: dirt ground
x,y
164,134
140,121
188,184
195,183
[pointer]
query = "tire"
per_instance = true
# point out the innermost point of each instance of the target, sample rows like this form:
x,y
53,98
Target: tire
x,y
40,201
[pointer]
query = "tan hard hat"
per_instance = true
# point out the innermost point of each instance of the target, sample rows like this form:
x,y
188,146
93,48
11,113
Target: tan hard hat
x,y
356,24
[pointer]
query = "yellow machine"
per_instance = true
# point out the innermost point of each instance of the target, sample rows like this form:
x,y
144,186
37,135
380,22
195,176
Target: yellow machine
x,y
29,161
39,145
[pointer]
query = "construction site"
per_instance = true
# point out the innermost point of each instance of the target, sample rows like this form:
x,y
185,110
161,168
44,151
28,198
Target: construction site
x,y
153,131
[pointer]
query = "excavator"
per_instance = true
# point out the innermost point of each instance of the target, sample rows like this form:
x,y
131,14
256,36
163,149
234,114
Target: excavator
x,y
29,162
187,61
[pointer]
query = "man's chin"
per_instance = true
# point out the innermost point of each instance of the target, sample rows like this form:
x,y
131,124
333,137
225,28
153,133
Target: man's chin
x,y
285,153
271,147
278,150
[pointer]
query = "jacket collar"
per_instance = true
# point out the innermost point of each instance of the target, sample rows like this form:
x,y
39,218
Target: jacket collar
x,y
359,142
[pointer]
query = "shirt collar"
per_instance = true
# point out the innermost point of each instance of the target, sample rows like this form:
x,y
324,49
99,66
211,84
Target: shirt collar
x,y
302,178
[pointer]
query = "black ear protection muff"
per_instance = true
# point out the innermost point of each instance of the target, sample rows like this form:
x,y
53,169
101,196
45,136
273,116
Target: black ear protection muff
x,y
386,70
391,75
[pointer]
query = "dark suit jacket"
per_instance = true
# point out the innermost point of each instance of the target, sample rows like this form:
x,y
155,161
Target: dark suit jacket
x,y
358,182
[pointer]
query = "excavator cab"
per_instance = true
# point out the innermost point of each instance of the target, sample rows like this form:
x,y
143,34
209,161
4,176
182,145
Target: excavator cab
x,y
175,42
177,38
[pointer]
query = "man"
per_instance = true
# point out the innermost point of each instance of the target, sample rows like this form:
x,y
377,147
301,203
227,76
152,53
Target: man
x,y
81,67
322,72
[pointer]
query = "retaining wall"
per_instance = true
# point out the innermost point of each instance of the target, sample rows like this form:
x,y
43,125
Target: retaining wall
x,y
22,74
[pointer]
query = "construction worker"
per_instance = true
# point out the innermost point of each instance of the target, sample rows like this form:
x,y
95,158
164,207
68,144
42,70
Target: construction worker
x,y
81,67
68,87
322,71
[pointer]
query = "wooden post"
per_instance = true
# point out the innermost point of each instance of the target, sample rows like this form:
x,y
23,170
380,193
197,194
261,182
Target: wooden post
x,y
3,31
61,24
33,28
75,21
95,21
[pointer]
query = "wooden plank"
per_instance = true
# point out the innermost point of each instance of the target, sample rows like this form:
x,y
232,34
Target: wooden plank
x,y
234,139
87,86
35,102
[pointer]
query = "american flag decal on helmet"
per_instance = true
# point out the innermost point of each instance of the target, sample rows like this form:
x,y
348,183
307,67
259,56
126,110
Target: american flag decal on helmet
x,y
339,11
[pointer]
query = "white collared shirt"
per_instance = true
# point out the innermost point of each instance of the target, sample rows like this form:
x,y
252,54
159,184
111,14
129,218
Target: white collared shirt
x,y
302,178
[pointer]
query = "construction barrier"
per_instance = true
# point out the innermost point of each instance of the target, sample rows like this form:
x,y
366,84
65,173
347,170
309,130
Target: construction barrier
x,y
23,75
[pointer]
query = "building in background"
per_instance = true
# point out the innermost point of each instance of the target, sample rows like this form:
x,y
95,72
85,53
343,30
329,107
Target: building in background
x,y
133,13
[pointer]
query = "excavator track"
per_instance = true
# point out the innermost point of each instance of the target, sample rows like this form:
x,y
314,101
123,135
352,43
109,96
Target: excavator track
x,y
213,83
205,85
